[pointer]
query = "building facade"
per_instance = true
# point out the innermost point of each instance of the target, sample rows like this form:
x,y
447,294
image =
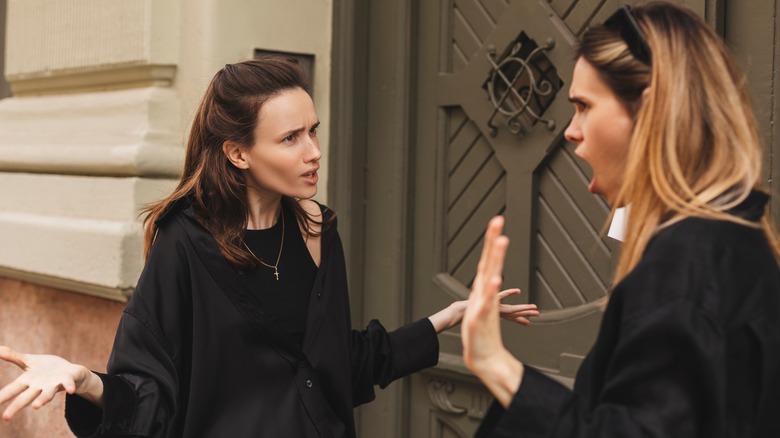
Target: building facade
x,y
419,150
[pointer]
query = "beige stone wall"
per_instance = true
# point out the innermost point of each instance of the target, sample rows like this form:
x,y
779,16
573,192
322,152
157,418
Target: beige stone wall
x,y
92,132
103,95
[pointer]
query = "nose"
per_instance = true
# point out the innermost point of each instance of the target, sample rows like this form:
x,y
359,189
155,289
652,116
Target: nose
x,y
313,154
573,132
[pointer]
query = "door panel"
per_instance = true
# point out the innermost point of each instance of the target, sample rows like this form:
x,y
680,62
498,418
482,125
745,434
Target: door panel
x,y
492,78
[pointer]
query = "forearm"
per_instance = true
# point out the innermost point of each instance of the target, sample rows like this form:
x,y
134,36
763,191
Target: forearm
x,y
448,317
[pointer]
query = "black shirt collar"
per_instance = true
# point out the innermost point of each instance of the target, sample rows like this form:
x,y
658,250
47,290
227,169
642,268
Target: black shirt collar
x,y
752,207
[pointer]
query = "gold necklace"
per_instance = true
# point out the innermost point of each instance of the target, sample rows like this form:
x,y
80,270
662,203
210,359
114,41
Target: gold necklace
x,y
278,257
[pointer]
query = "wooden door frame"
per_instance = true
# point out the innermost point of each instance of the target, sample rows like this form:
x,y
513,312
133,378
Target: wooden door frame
x,y
346,164
373,61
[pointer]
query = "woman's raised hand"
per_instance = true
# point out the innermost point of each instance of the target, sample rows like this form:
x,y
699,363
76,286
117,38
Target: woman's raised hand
x,y
42,378
483,350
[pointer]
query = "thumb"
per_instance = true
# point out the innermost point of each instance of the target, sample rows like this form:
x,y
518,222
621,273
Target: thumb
x,y
9,355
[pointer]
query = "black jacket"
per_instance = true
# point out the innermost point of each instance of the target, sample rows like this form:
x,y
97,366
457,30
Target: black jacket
x,y
689,346
197,355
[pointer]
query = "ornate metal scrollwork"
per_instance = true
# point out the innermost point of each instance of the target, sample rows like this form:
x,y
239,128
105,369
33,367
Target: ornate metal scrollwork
x,y
439,393
521,85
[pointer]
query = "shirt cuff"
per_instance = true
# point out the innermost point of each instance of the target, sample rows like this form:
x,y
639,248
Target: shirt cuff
x,y
415,347
533,411
87,420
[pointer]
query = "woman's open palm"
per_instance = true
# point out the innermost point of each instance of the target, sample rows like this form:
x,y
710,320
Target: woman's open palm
x,y
42,378
480,332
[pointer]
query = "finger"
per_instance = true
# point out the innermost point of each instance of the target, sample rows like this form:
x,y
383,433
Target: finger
x,y
12,390
46,396
481,302
515,316
20,402
495,260
508,293
494,228
9,355
515,308
490,293
69,387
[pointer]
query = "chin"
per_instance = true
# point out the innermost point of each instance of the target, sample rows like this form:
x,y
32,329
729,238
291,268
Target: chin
x,y
609,200
303,194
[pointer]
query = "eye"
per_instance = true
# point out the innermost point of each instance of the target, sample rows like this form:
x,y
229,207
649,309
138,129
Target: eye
x,y
313,130
579,106
290,138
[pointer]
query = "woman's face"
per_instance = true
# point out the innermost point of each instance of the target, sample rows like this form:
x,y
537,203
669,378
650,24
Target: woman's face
x,y
601,129
285,156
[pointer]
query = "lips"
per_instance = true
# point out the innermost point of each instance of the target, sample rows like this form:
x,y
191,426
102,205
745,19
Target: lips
x,y
311,176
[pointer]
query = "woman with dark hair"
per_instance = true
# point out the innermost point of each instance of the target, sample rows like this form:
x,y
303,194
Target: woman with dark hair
x,y
239,324
689,344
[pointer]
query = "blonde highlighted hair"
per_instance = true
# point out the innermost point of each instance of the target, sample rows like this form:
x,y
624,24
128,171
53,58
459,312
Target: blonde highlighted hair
x,y
695,149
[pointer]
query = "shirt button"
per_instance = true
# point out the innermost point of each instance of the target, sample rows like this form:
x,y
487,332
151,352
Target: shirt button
x,y
301,364
309,383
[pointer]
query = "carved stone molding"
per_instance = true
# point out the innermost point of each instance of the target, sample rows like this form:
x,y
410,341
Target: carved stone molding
x,y
439,391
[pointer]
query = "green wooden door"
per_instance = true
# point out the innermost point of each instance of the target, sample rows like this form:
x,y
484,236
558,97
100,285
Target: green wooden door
x,y
491,108
493,79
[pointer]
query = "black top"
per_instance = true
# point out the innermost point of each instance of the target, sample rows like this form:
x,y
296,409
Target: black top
x,y
286,298
689,346
197,353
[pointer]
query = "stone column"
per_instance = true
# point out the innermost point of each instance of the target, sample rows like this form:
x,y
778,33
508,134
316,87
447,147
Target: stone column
x,y
91,133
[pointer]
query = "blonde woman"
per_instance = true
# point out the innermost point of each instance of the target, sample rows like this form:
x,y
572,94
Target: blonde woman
x,y
689,345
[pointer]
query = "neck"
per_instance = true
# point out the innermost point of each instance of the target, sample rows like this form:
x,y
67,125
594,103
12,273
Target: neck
x,y
263,210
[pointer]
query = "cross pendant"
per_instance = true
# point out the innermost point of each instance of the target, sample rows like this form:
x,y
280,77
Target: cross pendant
x,y
276,273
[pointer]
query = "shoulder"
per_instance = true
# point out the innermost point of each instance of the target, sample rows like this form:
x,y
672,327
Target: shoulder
x,y
696,260
312,207
707,241
176,230
324,216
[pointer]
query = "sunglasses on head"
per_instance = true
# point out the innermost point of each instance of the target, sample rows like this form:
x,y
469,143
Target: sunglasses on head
x,y
624,23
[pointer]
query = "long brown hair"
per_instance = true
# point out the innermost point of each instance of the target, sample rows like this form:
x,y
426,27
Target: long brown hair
x,y
215,188
695,149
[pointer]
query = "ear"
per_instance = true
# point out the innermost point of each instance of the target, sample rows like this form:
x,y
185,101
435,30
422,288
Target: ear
x,y
235,153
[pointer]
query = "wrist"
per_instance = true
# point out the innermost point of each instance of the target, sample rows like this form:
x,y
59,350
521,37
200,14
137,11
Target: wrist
x,y
448,317
457,309
502,375
92,390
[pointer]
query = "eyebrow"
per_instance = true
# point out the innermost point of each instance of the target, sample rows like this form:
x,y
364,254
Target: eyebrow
x,y
301,129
